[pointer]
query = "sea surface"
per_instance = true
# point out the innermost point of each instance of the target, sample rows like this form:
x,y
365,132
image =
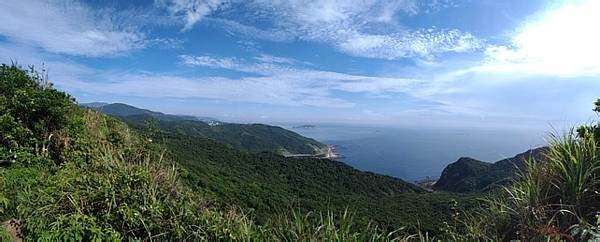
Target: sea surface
x,y
415,154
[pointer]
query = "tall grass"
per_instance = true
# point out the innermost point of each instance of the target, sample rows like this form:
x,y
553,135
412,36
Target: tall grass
x,y
575,165
298,226
556,197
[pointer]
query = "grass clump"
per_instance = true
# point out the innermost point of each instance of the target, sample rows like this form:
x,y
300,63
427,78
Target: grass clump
x,y
557,197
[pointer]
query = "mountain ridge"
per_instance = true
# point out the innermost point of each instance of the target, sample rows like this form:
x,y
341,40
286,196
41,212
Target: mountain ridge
x,y
472,175
123,109
246,137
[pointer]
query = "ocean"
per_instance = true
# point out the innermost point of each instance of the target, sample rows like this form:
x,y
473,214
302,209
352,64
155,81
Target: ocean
x,y
416,154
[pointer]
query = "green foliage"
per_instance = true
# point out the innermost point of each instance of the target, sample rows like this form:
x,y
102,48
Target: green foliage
x,y
114,190
32,111
79,175
268,184
4,235
298,226
597,106
247,137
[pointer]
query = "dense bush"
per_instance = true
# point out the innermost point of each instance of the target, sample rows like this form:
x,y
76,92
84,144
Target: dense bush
x,y
31,111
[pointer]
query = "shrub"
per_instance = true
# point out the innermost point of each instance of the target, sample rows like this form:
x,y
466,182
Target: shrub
x,y
32,111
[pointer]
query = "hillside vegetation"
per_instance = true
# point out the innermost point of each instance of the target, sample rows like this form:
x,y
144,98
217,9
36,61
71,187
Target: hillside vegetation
x,y
73,174
247,137
269,184
471,175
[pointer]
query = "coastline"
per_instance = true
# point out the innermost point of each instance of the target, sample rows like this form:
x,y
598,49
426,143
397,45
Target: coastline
x,y
332,153
326,153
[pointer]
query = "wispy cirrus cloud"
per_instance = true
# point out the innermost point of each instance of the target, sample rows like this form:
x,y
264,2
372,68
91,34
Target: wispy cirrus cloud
x,y
307,76
368,28
212,62
67,27
190,11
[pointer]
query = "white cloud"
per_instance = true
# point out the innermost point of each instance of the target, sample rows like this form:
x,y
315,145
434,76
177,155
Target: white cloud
x,y
368,28
365,28
191,11
562,41
281,71
212,62
275,59
247,31
66,27
422,43
271,83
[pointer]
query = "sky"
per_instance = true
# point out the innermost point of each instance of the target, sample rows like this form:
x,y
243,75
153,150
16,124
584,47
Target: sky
x,y
458,63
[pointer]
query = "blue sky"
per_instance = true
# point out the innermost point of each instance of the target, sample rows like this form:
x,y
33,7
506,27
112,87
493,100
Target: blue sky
x,y
457,63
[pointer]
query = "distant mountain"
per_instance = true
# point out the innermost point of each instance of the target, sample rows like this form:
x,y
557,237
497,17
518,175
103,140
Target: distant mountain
x,y
124,110
246,137
471,175
94,104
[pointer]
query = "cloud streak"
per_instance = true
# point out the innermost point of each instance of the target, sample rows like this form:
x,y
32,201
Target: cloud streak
x,y
190,11
367,28
270,83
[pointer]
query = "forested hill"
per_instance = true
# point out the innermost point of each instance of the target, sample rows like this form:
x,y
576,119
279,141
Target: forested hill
x,y
268,184
247,137
471,175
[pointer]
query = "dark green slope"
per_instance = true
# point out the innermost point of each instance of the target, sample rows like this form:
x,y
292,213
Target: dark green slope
x,y
269,184
246,137
471,175
124,110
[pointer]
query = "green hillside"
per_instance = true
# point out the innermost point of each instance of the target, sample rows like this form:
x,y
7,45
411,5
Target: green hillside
x,y
124,110
268,183
247,137
471,175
